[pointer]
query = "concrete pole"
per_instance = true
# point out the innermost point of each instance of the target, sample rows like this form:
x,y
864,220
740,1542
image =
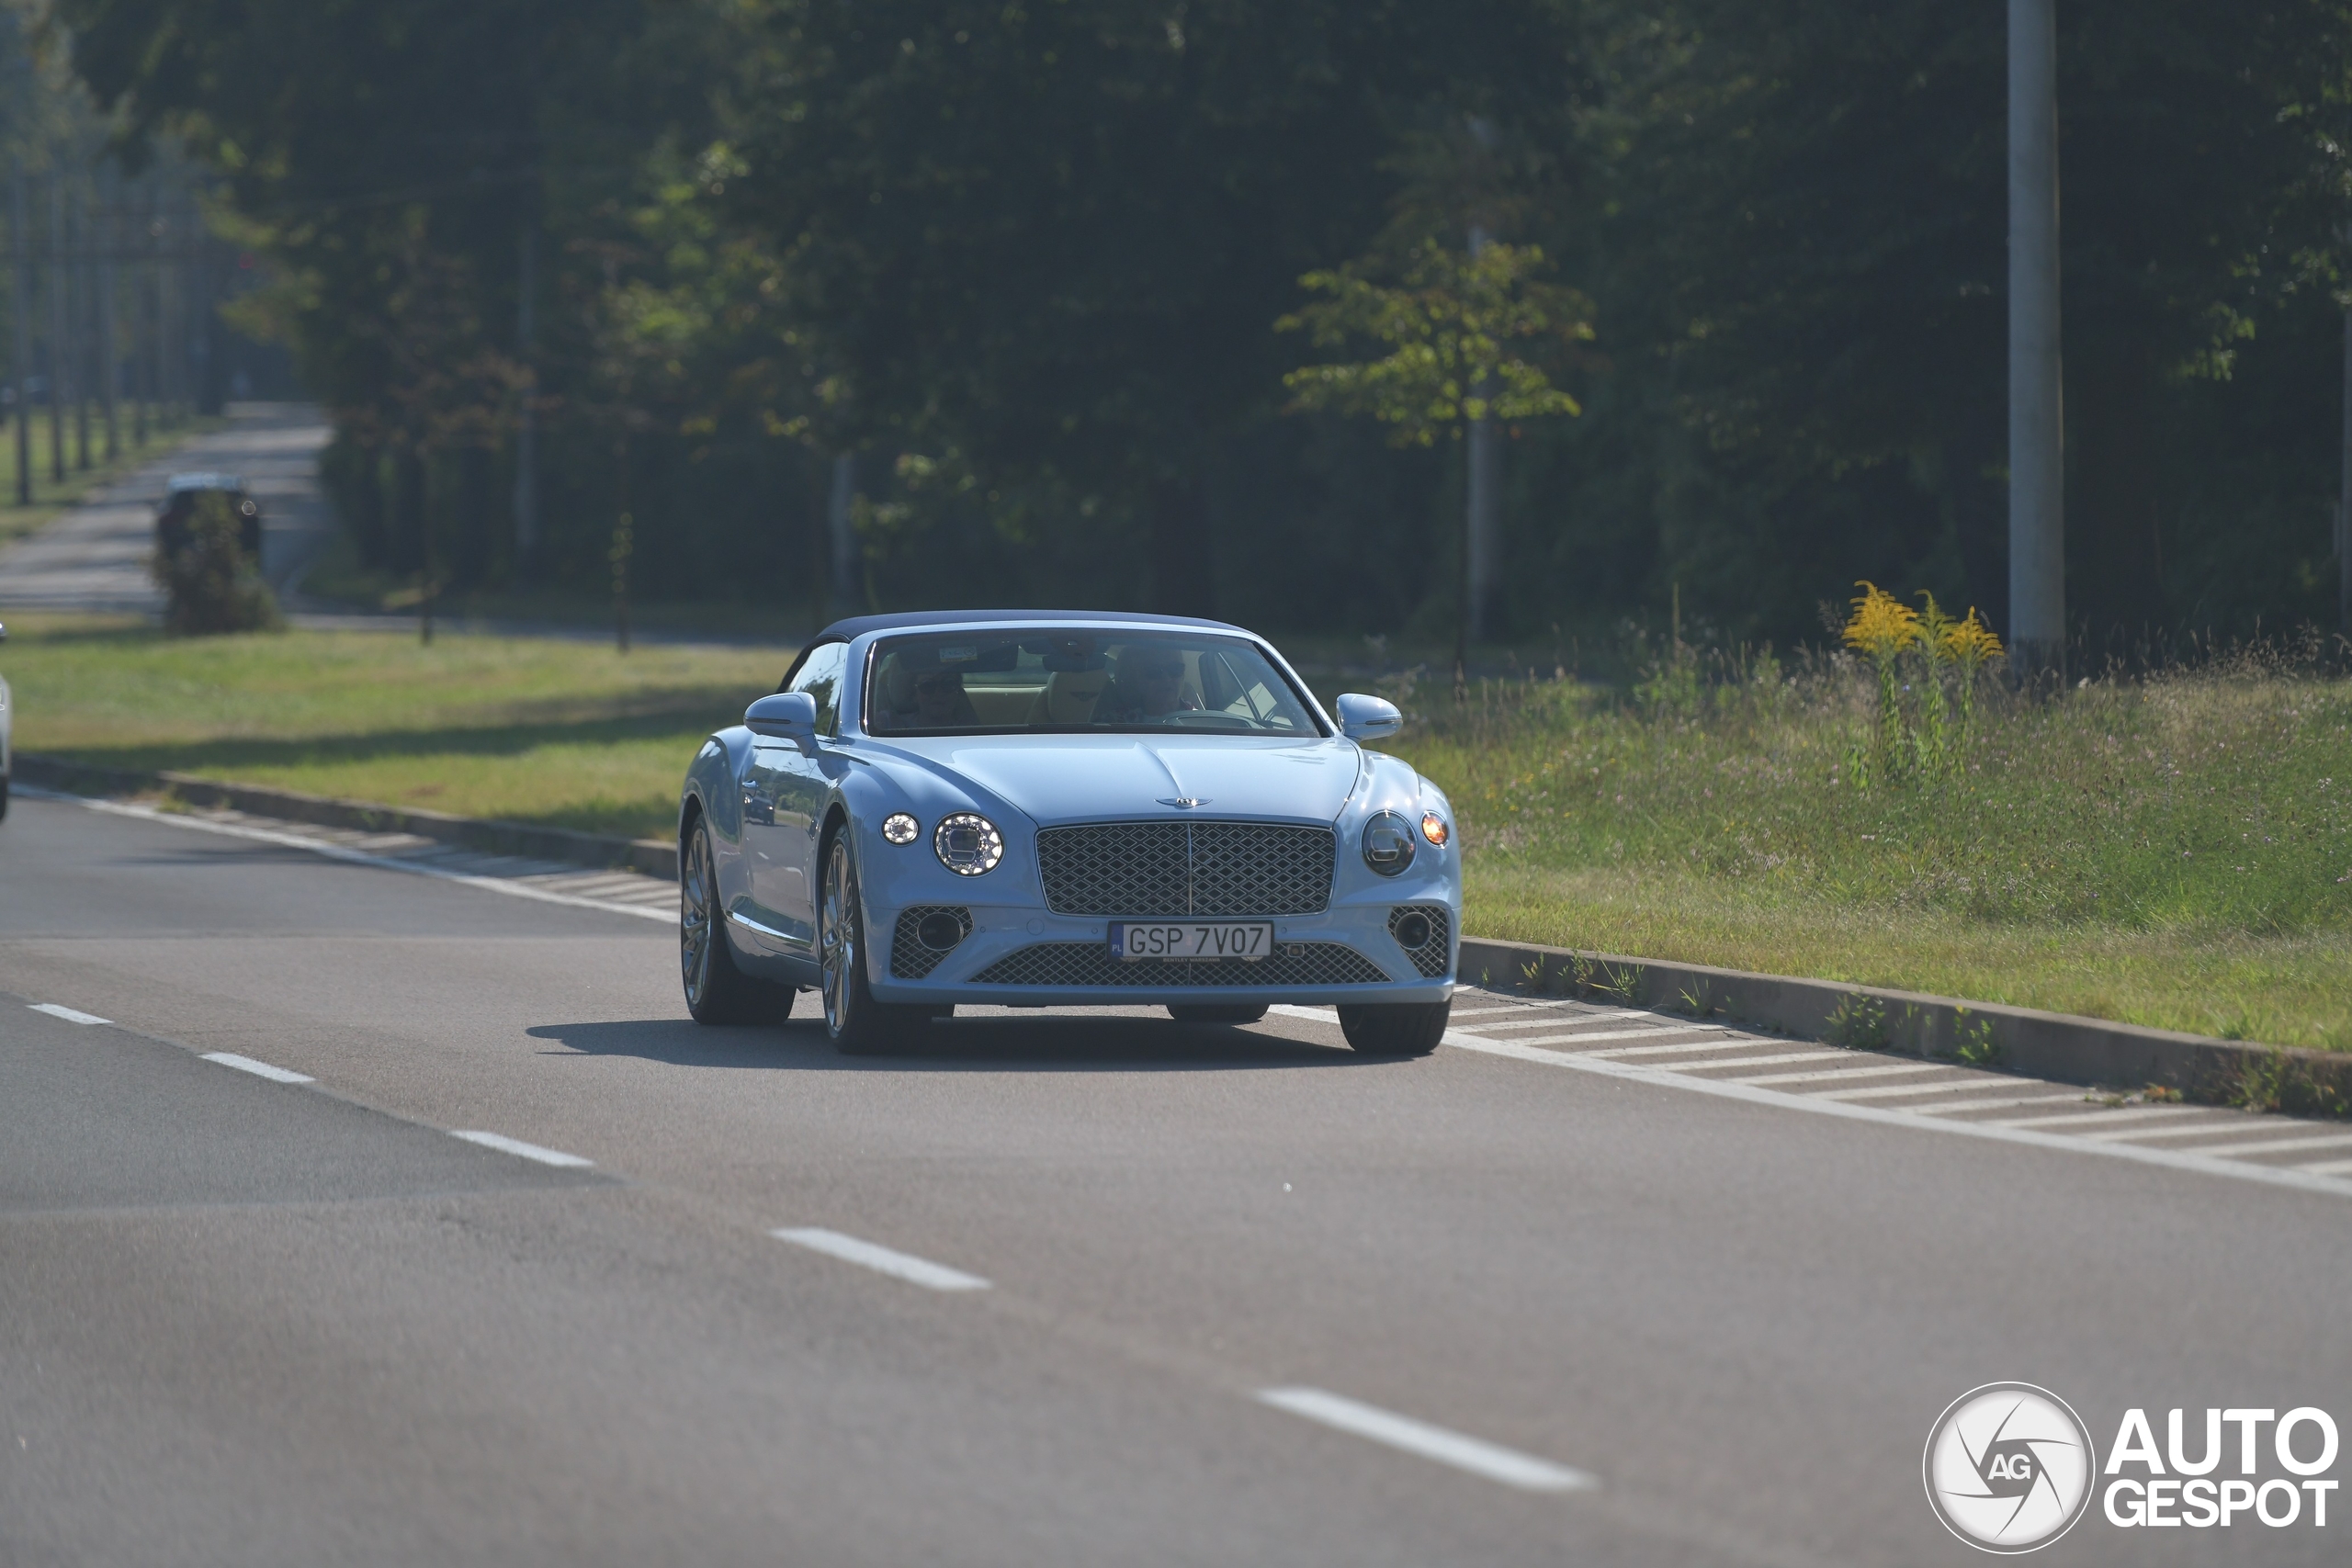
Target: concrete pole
x,y
2037,424
110,351
842,524
61,349
85,318
143,320
1485,499
526,449
2344,503
20,326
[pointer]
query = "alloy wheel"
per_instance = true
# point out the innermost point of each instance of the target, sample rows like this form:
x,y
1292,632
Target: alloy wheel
x,y
695,915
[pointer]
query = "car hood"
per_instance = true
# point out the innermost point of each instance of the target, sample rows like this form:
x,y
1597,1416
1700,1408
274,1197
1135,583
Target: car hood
x,y
1091,778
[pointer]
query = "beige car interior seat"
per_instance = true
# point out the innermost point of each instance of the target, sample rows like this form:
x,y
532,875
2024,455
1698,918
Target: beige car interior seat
x,y
1068,697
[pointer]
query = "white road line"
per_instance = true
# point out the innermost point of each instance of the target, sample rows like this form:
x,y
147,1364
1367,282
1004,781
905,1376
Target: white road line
x,y
1491,1461
2119,1113
1830,1073
1539,1017
1737,1043
258,1069
516,1146
353,857
1896,1090
2276,1146
883,1260
2328,1168
1824,1105
1999,1102
1312,1015
1592,1036
2228,1123
1772,1061
71,1015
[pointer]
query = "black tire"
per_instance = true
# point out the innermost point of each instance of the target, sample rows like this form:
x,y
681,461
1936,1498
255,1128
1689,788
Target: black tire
x,y
1395,1029
857,1024
717,991
1216,1012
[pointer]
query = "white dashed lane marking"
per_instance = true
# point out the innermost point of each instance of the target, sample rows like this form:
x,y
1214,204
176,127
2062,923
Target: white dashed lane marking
x,y
258,1069
71,1015
882,1260
527,1151
1475,1455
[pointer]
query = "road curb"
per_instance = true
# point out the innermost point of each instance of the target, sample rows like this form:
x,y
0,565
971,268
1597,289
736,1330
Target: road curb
x,y
2045,1045
653,857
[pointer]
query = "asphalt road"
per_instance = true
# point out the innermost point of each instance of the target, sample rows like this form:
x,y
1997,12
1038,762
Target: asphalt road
x,y
248,1322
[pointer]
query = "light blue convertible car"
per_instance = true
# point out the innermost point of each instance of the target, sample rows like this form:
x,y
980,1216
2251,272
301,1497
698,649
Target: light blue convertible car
x,y
1040,808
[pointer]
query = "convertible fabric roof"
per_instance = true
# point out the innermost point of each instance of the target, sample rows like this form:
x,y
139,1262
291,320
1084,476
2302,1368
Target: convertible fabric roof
x,y
910,620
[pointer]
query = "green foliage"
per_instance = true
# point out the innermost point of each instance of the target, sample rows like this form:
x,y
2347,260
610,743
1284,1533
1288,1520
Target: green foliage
x,y
1458,328
1857,1022
211,585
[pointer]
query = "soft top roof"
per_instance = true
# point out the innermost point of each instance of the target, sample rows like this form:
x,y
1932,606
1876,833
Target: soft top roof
x,y
915,620
178,482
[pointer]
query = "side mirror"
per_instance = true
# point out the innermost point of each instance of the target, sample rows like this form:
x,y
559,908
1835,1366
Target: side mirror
x,y
1368,718
784,715
3,634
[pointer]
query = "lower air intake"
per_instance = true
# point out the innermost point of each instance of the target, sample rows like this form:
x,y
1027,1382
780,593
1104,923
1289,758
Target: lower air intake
x,y
1090,964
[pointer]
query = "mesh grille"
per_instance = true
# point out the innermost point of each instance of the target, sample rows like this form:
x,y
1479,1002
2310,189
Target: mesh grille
x,y
910,959
1186,868
1430,957
1090,964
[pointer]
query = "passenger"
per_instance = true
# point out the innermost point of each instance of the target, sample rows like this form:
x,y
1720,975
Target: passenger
x,y
1150,686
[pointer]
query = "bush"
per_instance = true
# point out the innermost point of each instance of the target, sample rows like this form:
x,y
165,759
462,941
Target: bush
x,y
210,583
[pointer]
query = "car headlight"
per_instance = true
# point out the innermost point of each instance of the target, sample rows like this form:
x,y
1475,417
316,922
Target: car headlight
x,y
901,829
1434,829
967,843
1389,844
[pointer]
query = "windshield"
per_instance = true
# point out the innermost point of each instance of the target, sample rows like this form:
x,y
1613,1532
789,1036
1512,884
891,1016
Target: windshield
x,y
1055,678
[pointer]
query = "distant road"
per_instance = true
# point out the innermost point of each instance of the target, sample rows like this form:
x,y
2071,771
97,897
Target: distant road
x,y
1082,1289
94,557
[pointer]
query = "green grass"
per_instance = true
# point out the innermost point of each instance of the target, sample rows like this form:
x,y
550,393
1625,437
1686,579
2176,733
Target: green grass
x,y
566,734
2174,852
50,497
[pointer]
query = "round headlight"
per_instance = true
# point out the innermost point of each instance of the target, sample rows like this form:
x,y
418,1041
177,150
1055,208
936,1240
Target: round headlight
x,y
1433,828
1388,844
901,829
967,843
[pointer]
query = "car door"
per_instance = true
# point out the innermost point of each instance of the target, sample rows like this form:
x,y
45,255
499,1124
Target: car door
x,y
784,801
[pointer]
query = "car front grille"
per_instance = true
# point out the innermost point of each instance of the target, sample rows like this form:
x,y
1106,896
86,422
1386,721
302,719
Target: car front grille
x,y
1186,868
1090,964
1430,957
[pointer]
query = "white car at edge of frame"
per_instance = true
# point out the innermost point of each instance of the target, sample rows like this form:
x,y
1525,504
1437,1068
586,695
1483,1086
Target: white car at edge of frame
x,y
1041,808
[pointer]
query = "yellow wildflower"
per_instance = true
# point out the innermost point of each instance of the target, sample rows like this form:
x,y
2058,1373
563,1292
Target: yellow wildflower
x,y
1883,626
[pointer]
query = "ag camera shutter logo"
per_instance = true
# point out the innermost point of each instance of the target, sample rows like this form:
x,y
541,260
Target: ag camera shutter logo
x,y
2008,1467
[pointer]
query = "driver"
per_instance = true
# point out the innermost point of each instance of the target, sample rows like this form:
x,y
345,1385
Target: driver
x,y
1150,685
940,701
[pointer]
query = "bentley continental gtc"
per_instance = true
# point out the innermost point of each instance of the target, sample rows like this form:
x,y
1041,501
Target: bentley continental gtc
x,y
1038,808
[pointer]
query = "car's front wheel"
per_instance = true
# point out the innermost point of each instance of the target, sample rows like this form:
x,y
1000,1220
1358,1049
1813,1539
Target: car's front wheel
x,y
1216,1012
857,1024
716,992
1395,1029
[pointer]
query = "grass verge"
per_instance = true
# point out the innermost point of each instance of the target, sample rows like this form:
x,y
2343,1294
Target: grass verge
x,y
560,733
2175,851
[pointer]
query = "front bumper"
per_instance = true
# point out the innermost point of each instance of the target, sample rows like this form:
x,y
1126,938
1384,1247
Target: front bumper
x,y
1025,956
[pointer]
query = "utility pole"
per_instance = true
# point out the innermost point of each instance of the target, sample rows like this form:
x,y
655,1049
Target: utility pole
x,y
109,356
1485,499
2037,421
143,334
21,327
61,352
83,314
527,446
840,519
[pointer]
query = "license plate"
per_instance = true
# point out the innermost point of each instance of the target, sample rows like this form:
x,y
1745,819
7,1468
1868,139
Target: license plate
x,y
1190,939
